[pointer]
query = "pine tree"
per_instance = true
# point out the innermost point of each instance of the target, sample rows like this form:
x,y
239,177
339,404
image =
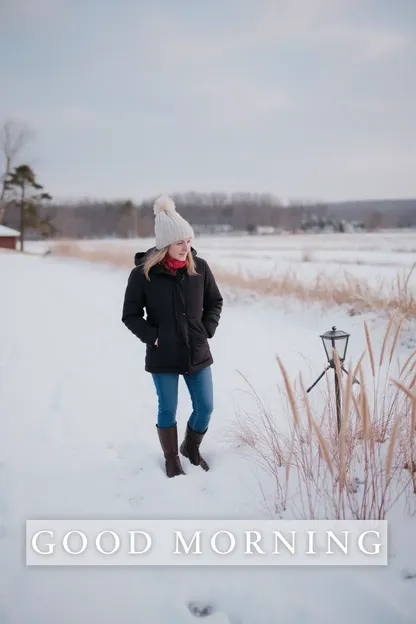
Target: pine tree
x,y
29,195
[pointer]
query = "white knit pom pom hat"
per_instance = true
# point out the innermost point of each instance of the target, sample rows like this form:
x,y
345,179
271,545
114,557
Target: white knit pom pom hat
x,y
170,227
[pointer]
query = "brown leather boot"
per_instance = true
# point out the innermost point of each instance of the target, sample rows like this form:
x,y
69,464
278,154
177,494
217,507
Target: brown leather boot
x,y
168,438
190,448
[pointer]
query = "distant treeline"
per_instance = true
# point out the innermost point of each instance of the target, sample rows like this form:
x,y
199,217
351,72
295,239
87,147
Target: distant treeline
x,y
240,211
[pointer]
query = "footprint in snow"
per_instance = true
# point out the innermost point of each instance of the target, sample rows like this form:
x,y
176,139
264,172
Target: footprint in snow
x,y
206,610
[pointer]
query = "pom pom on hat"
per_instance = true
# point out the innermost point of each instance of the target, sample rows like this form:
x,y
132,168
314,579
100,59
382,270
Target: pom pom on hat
x,y
164,204
170,227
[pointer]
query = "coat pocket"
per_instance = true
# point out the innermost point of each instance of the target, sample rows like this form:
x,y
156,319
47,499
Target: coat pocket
x,y
203,329
167,338
200,351
167,352
197,330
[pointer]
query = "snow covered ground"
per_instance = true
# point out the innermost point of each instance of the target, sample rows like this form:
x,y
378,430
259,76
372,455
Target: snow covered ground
x,y
375,257
78,440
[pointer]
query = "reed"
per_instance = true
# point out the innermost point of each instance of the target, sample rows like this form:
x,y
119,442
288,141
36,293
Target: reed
x,y
366,469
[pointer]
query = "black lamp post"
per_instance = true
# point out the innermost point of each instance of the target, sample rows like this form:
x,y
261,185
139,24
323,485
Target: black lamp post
x,y
335,340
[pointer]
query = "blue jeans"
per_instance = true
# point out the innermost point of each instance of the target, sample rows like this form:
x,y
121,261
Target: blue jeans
x,y
201,391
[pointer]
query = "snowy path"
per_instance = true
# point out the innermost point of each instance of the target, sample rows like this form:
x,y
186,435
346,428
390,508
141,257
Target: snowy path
x,y
78,441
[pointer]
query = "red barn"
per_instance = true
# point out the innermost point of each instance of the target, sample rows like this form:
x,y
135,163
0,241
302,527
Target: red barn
x,y
8,237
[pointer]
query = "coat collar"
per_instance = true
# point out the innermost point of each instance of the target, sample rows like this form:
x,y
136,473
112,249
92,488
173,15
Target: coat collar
x,y
141,256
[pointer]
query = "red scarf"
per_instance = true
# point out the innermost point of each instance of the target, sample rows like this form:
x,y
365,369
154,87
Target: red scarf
x,y
173,265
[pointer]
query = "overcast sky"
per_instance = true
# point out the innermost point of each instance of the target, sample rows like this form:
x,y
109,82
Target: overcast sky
x,y
311,99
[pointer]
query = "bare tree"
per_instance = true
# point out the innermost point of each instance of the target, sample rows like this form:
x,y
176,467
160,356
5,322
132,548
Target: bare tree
x,y
13,137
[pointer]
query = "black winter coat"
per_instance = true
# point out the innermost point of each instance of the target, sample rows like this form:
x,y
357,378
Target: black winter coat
x,y
182,311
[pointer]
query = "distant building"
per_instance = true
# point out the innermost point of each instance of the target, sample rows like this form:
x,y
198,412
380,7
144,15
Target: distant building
x,y
216,228
314,224
264,230
8,237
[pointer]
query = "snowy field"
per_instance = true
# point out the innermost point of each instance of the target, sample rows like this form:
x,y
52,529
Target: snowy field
x,y
377,258
78,440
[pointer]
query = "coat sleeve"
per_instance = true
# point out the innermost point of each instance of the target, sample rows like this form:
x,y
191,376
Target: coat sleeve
x,y
133,309
213,303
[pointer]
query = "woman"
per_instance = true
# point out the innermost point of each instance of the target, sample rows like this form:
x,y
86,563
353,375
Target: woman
x,y
183,306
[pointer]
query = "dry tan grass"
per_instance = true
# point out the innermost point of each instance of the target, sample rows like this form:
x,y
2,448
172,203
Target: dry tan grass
x,y
363,471
355,293
104,255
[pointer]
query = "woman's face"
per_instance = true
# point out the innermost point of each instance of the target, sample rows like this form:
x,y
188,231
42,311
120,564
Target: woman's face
x,y
180,249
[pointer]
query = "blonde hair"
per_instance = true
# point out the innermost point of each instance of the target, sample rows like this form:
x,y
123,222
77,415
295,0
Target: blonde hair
x,y
158,255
